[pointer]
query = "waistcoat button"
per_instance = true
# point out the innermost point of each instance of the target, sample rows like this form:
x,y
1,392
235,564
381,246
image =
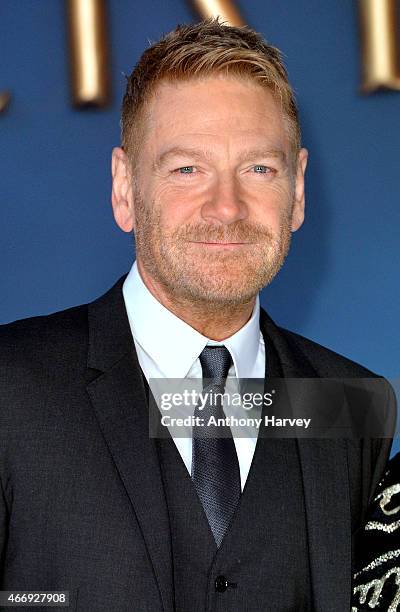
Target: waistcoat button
x,y
221,584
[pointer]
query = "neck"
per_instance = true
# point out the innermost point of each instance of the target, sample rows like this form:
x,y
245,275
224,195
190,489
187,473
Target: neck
x,y
214,321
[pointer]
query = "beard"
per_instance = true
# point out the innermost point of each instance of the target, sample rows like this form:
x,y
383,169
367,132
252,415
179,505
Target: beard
x,y
217,278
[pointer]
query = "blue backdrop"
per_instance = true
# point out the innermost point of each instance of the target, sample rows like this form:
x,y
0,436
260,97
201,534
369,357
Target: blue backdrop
x,y
60,245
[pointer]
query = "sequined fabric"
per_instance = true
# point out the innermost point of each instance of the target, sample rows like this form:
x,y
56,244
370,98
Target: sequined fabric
x,y
376,584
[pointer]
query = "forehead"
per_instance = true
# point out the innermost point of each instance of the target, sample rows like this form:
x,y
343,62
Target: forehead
x,y
217,109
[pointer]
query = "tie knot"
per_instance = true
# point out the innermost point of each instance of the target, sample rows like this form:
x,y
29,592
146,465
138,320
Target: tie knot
x,y
215,363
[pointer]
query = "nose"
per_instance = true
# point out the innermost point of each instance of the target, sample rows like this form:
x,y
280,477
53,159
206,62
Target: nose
x,y
224,202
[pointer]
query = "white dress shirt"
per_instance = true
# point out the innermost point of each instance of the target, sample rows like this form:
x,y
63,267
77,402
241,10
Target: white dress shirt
x,y
167,347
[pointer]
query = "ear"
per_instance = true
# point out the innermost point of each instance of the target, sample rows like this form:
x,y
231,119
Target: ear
x,y
299,198
121,193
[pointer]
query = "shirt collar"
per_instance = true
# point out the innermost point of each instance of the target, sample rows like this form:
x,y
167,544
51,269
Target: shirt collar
x,y
162,334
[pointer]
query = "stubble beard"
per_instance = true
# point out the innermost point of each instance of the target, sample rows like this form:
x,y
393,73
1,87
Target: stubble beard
x,y
194,274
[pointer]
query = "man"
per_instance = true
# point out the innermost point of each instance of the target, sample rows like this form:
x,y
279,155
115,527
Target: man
x,y
210,178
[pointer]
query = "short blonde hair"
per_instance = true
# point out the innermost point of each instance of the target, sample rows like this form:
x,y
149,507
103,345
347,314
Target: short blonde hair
x,y
202,50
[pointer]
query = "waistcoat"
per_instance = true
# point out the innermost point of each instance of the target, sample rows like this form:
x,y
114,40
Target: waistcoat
x,y
263,563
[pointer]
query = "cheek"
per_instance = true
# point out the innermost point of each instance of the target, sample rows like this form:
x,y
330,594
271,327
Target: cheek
x,y
272,206
177,205
276,193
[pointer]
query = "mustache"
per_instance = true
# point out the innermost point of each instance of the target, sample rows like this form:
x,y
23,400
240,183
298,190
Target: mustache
x,y
235,232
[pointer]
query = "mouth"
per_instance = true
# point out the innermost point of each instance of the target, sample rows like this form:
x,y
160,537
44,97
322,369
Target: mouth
x,y
221,244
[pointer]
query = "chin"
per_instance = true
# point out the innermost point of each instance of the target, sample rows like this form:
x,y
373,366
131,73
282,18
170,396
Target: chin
x,y
220,294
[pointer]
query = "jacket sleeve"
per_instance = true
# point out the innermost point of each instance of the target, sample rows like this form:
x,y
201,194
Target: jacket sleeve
x,y
3,527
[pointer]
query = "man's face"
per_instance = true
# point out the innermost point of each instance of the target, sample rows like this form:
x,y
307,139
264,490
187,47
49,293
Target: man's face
x,y
214,197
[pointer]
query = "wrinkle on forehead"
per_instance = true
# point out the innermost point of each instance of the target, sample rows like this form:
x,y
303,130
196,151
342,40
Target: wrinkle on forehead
x,y
239,102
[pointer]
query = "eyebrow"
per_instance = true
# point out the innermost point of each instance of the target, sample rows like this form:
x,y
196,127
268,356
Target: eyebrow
x,y
248,155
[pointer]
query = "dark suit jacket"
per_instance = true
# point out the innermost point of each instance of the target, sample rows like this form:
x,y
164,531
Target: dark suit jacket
x,y
82,506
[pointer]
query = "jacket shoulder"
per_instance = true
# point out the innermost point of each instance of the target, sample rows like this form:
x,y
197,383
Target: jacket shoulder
x,y
56,340
325,361
42,338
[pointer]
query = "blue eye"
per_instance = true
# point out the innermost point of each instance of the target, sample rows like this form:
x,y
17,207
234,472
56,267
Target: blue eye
x,y
186,170
260,169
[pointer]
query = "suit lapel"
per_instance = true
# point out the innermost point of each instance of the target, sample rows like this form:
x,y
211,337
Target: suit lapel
x,y
119,401
326,485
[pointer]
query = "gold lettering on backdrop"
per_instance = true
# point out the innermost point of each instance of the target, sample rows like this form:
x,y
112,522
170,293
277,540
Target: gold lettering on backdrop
x,y
380,48
5,98
88,47
226,9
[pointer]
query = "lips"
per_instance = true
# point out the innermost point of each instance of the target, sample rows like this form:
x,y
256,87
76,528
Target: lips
x,y
221,243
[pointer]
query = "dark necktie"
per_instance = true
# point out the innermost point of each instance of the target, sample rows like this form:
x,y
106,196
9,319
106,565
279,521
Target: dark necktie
x,y
215,466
